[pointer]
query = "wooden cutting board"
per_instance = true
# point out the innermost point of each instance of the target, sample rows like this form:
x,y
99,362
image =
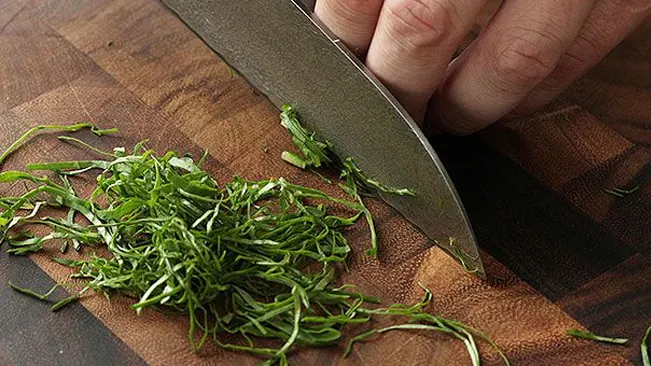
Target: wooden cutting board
x,y
558,250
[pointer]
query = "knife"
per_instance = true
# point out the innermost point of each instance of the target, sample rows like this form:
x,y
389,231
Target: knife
x,y
288,55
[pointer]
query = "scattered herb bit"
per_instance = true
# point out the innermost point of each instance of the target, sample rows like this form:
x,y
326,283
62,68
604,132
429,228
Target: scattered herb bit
x,y
70,128
293,159
644,348
419,320
28,292
44,297
628,191
620,192
614,193
86,146
68,300
643,344
233,257
593,337
351,188
323,178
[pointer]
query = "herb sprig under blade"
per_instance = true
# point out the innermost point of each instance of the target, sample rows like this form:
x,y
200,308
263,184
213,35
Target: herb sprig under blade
x,y
317,153
320,153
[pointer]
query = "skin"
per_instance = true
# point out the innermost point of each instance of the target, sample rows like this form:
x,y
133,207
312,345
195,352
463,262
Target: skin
x,y
527,54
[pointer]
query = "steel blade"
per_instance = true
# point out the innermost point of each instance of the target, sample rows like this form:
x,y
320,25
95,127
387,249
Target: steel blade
x,y
292,58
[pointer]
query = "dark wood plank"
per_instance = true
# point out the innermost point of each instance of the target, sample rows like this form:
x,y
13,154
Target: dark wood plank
x,y
34,335
627,217
525,224
34,59
617,303
598,137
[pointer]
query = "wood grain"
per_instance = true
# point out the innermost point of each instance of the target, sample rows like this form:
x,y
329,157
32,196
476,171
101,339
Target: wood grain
x,y
130,64
32,334
525,224
618,300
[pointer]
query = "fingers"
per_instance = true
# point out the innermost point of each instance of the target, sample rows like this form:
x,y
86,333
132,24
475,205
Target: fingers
x,y
601,33
518,50
353,21
413,43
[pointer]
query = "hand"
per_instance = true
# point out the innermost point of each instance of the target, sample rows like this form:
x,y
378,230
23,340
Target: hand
x,y
530,51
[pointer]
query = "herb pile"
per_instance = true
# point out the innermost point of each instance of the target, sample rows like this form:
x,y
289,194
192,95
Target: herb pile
x,y
258,259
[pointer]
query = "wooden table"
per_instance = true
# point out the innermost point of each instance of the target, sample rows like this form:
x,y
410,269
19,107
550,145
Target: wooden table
x,y
560,252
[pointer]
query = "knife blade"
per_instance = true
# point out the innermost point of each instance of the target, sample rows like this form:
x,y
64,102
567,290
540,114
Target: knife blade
x,y
288,55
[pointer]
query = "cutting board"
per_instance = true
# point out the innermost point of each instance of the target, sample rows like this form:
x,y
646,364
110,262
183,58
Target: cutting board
x,y
560,253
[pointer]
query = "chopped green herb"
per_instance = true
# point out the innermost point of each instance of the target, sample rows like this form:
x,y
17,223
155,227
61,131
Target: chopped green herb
x,y
293,159
28,292
87,146
614,193
621,192
323,178
231,72
593,337
644,348
233,257
70,128
419,320
319,153
627,191
359,176
68,300
462,256
44,297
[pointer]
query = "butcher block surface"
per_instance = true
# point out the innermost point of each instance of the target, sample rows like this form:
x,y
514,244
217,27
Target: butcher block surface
x,y
559,251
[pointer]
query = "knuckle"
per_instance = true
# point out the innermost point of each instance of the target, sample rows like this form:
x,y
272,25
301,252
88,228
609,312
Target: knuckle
x,y
526,61
350,12
422,22
586,51
356,7
587,47
631,6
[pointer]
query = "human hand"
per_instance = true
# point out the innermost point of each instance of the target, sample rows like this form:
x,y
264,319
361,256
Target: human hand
x,y
530,51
